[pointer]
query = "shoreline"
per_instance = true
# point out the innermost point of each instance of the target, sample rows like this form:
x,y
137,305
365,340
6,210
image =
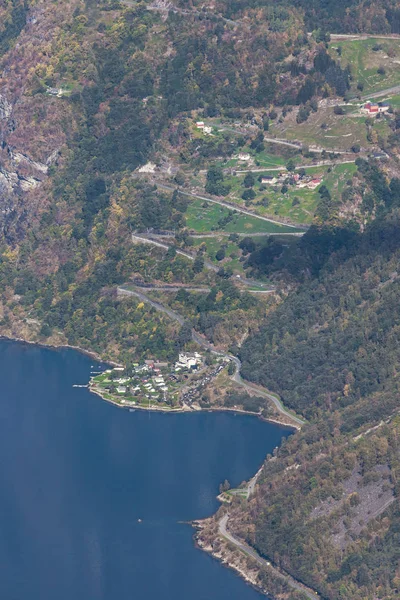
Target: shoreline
x,y
89,353
232,558
237,559
112,363
229,562
182,410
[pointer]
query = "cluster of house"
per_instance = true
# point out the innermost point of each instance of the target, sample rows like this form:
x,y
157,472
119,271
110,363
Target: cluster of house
x,y
375,108
300,181
204,128
150,377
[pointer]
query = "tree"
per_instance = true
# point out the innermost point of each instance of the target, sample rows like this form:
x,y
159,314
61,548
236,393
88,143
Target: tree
x,y
249,194
224,487
180,178
220,255
185,334
247,244
291,165
303,114
249,180
45,330
198,263
171,252
215,182
231,368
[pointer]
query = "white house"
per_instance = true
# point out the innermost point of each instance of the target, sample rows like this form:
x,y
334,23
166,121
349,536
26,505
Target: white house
x,y
188,361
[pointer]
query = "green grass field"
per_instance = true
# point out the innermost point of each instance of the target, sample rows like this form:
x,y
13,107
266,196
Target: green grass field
x,y
364,62
201,218
232,252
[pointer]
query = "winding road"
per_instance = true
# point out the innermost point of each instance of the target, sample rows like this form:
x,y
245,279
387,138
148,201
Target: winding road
x,y
246,549
292,419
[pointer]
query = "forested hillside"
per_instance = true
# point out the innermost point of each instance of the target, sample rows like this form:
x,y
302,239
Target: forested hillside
x,y
335,340
96,97
87,91
327,508
348,16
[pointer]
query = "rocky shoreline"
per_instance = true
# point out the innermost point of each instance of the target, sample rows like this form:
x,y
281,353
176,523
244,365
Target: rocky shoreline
x,y
227,555
256,571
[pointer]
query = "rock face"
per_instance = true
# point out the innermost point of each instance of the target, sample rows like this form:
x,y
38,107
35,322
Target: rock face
x,y
33,125
5,108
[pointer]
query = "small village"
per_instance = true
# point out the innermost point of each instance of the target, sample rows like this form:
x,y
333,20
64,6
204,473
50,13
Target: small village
x,y
158,384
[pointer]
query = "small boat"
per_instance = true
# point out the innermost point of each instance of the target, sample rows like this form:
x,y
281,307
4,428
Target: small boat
x,y
139,520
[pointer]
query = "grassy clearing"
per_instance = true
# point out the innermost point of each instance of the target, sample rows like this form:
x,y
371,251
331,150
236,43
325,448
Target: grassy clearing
x,y
204,217
297,204
365,62
232,252
327,130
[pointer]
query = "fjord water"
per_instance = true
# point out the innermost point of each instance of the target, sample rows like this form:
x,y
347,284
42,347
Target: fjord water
x,y
77,474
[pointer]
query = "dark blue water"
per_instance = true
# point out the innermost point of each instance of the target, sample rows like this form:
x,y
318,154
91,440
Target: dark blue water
x,y
76,474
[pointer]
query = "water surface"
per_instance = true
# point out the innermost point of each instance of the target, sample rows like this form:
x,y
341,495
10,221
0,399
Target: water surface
x,y
76,474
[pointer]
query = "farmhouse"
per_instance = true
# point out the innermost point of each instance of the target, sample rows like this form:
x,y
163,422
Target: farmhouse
x,y
310,184
268,179
373,108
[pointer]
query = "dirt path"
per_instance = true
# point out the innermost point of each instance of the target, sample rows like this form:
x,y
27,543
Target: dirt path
x,y
362,36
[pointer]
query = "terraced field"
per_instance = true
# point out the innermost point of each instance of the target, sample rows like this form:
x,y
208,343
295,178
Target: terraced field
x,y
365,57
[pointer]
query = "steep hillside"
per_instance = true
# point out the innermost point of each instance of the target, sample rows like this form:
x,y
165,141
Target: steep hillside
x,y
87,88
327,508
349,16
